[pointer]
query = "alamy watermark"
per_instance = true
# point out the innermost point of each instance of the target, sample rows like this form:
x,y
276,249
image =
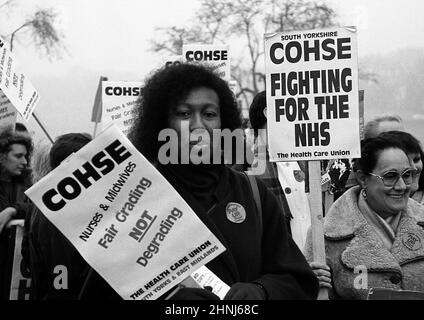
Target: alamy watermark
x,y
200,146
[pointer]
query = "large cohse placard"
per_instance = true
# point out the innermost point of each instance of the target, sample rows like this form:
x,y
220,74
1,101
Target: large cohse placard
x,y
312,94
124,218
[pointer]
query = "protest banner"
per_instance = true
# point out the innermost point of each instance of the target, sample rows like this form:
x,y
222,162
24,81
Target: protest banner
x,y
124,218
312,107
8,113
15,85
20,280
312,95
216,56
119,103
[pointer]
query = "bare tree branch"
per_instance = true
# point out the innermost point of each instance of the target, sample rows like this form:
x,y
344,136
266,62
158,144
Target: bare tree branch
x,y
7,3
245,22
43,32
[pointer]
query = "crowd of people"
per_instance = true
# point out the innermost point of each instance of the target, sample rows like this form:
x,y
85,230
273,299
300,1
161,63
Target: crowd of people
x,y
376,225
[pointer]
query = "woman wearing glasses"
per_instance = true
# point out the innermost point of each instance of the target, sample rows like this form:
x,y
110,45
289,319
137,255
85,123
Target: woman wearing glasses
x,y
415,154
374,234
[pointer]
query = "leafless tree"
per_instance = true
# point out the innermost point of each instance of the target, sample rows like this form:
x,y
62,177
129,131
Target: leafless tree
x,y
42,28
244,22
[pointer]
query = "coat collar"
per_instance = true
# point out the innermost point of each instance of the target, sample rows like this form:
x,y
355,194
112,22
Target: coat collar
x,y
345,221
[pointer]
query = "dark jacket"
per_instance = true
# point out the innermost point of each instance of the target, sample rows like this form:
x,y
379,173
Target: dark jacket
x,y
11,195
53,260
267,255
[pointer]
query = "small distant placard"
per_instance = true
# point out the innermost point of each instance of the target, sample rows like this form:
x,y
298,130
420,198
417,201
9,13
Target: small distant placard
x,y
216,56
15,85
119,103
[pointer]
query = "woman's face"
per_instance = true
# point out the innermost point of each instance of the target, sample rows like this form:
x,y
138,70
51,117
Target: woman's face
x,y
200,113
388,200
14,161
416,163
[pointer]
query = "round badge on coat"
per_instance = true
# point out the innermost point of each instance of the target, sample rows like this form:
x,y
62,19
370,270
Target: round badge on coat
x,y
235,212
412,241
299,175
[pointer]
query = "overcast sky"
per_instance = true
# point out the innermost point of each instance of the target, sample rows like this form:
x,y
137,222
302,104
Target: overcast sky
x,y
111,37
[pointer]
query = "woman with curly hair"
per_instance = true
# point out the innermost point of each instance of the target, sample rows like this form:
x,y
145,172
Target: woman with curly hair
x,y
15,150
261,261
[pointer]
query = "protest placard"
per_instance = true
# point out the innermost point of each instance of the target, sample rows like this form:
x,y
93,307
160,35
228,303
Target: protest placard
x,y
171,60
8,113
124,218
312,94
216,56
119,103
15,85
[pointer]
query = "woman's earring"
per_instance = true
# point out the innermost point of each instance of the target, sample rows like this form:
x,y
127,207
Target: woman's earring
x,y
364,193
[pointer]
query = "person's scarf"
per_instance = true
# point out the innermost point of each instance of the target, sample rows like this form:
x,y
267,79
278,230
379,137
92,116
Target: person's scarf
x,y
385,228
194,182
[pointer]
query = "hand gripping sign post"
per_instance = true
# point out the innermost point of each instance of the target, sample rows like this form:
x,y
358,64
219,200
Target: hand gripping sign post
x,y
312,105
216,56
119,103
124,218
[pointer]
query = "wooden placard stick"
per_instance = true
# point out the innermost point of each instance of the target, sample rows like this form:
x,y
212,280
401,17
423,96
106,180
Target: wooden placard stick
x,y
317,222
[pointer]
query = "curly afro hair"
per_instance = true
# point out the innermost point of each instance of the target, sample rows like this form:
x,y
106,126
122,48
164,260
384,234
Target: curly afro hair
x,y
164,90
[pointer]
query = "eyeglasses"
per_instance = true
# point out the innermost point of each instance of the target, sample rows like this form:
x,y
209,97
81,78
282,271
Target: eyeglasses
x,y
392,177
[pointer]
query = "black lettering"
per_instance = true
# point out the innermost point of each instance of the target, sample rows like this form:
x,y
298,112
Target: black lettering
x,y
188,55
279,109
324,127
298,48
275,85
47,199
308,50
313,134
117,151
343,48
300,134
346,84
90,172
326,48
291,109
343,106
69,182
109,91
273,56
107,164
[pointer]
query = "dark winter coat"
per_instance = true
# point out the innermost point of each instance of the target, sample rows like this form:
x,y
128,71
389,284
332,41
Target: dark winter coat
x,y
11,195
